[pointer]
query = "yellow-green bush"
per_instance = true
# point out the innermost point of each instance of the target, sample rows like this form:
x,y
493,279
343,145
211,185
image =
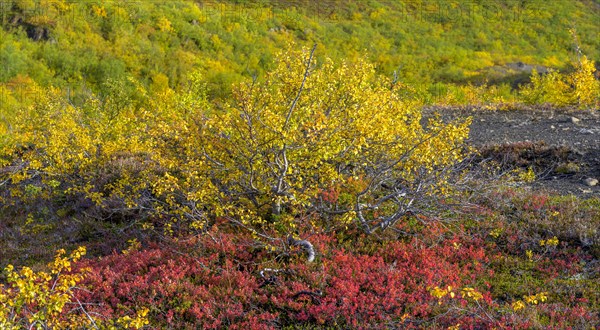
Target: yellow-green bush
x,y
267,154
45,300
306,128
579,88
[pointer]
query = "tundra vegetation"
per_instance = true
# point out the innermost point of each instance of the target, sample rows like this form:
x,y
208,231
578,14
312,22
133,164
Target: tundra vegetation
x,y
276,171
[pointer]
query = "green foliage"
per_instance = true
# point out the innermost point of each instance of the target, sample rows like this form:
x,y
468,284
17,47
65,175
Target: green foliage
x,y
81,44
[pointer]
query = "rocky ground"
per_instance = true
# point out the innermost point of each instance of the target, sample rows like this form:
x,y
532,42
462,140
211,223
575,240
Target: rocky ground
x,y
563,145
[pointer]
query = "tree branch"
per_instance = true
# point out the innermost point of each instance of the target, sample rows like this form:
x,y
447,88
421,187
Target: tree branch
x,y
306,73
306,245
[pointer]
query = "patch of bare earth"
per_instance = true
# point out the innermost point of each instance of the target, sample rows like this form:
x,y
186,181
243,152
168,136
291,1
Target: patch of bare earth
x,y
561,145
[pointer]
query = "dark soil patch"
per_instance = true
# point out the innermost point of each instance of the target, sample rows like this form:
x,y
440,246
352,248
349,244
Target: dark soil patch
x,y
561,145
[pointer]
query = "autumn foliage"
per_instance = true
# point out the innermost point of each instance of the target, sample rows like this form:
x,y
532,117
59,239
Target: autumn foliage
x,y
578,88
47,300
327,153
434,276
308,127
263,159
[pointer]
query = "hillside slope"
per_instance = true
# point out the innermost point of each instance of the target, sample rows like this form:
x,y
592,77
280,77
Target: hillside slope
x,y
80,45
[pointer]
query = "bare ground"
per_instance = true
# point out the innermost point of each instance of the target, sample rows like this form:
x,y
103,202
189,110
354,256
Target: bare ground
x,y
564,144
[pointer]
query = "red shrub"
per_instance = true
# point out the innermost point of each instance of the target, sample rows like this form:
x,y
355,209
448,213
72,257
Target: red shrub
x,y
215,281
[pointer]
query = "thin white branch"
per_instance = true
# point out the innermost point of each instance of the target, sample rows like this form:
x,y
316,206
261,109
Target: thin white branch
x,y
306,74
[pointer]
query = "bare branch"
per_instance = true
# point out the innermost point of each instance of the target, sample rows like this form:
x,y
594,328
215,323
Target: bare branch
x,y
306,73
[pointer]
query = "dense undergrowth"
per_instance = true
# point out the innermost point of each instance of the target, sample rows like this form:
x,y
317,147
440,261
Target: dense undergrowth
x,y
512,261
310,193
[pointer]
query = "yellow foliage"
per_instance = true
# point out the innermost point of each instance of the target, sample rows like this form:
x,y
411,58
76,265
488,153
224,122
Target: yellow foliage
x,y
526,176
586,88
518,305
496,232
37,300
440,293
308,127
164,25
273,149
551,242
536,298
529,255
466,293
136,322
578,88
99,11
529,300
41,300
133,245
